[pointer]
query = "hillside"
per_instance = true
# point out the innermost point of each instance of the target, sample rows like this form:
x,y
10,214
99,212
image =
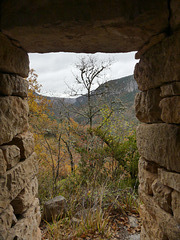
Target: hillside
x,y
123,88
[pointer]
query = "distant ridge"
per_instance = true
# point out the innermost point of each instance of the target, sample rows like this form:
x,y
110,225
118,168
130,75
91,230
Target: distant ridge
x,y
125,88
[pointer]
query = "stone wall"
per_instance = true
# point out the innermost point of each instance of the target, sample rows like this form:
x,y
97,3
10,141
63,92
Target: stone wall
x,y
158,138
19,205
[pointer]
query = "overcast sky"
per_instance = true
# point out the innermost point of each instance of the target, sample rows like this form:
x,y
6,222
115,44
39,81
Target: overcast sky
x,y
56,69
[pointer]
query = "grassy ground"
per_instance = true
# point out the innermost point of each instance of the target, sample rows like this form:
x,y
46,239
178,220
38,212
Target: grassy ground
x,y
94,210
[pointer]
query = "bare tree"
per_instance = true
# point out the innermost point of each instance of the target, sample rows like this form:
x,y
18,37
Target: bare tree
x,y
91,72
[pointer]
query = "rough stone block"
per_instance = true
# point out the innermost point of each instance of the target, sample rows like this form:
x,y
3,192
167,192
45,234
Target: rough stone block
x,y
25,142
6,220
160,143
27,227
162,195
147,106
3,164
19,176
13,59
146,178
169,179
13,85
54,208
160,64
150,229
13,117
171,89
164,221
176,205
4,195
170,109
11,155
26,197
34,212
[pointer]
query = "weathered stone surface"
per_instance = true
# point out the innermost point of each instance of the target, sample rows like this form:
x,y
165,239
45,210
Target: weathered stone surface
x,y
165,223
13,59
26,197
27,227
11,155
162,195
170,109
160,64
151,42
6,220
25,142
175,14
34,211
147,106
4,194
160,143
19,176
16,179
3,164
54,208
171,89
169,179
176,205
145,178
150,166
13,117
150,229
13,85
84,26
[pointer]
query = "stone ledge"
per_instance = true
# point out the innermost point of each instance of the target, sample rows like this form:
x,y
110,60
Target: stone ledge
x,y
169,179
13,59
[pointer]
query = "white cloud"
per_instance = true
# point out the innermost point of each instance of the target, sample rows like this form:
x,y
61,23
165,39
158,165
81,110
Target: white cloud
x,y
54,69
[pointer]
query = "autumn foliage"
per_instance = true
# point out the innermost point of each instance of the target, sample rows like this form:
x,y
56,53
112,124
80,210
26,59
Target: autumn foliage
x,y
79,161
